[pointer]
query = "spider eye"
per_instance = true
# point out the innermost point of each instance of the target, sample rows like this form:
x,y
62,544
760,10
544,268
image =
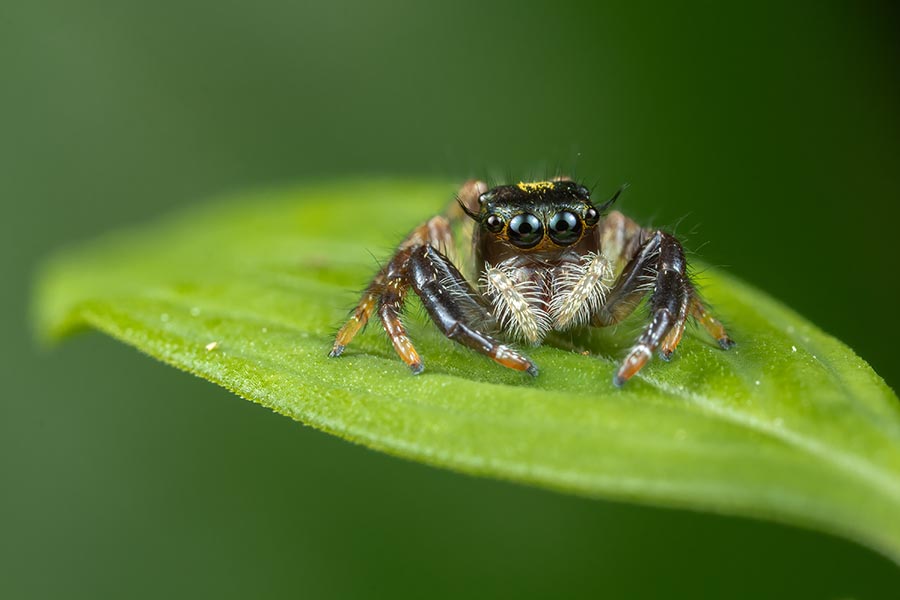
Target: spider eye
x,y
494,223
591,216
565,228
525,230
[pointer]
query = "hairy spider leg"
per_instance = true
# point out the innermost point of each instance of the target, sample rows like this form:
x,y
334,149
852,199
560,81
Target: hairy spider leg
x,y
659,263
673,338
666,302
387,292
692,306
390,309
631,285
700,312
662,256
450,301
361,314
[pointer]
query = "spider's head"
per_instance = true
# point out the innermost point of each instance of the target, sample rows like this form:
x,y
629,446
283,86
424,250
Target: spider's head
x,y
540,216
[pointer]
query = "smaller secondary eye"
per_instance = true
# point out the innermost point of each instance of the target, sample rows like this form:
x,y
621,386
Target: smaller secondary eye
x,y
565,227
494,223
525,230
583,192
591,216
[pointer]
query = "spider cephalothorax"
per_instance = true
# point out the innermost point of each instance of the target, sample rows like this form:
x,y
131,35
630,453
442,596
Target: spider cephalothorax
x,y
545,258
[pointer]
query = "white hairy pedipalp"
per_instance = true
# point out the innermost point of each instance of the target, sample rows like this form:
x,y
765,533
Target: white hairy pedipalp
x,y
518,301
579,290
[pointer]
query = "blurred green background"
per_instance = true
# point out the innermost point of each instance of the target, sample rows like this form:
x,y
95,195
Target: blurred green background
x,y
767,132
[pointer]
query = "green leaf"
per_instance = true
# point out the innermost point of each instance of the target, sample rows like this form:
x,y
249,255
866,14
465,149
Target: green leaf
x,y
790,425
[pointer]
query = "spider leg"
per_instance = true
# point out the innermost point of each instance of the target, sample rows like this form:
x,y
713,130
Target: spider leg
x,y
673,338
692,306
631,286
450,301
700,312
387,290
668,295
660,263
457,309
360,316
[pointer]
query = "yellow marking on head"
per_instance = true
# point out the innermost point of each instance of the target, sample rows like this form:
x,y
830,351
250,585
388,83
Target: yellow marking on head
x,y
536,186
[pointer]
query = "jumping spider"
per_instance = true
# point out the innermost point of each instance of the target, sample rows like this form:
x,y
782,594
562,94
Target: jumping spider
x,y
547,260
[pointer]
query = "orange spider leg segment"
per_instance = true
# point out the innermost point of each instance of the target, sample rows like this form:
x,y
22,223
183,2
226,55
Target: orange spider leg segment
x,y
360,317
711,324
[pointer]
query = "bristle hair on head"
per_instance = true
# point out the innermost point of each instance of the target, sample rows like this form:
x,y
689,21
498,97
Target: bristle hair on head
x,y
602,208
465,209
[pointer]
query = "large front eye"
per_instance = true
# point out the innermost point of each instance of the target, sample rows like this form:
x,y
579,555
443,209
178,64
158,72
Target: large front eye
x,y
525,230
565,228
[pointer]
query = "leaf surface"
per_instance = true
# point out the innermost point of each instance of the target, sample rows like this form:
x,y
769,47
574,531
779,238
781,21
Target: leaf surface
x,y
790,425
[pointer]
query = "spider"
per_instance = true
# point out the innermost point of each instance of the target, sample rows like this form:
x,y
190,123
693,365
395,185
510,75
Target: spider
x,y
547,259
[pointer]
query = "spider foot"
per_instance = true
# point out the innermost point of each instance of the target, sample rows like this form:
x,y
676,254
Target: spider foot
x,y
511,359
712,325
636,359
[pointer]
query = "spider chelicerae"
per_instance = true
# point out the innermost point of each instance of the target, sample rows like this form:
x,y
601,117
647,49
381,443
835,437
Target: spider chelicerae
x,y
545,258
